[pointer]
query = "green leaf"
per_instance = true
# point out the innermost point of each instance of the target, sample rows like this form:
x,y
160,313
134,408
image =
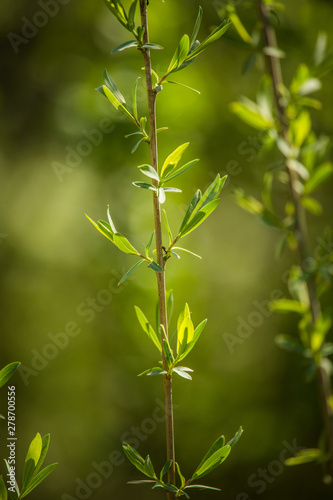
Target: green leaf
x,y
173,159
181,477
126,275
152,46
288,305
185,331
126,45
318,177
187,251
153,371
199,217
149,171
168,352
124,245
112,226
149,244
118,105
156,267
144,185
167,227
131,15
217,33
313,206
238,25
180,54
36,480
201,487
236,437
45,447
196,26
147,328
217,445
179,171
161,195
7,372
118,11
135,100
305,456
183,85
290,344
141,481
182,372
196,334
250,113
135,458
149,468
31,460
3,489
193,204
212,462
165,469
137,145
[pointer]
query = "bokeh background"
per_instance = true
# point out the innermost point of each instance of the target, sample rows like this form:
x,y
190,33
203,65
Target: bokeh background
x,y
55,266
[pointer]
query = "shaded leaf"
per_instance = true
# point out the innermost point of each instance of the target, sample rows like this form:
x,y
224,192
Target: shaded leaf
x,y
7,372
36,480
156,267
212,462
126,275
124,46
196,28
149,171
144,185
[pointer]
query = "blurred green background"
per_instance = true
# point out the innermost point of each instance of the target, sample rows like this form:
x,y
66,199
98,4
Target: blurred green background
x,y
54,264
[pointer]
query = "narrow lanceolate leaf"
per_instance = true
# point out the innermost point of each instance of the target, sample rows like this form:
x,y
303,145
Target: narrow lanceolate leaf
x,y
236,437
179,171
180,54
149,468
31,460
168,353
126,275
149,171
161,195
172,160
217,445
149,243
112,226
45,447
212,462
157,370
250,114
118,11
147,328
238,25
183,85
288,305
124,245
196,334
199,217
135,99
193,203
185,330
124,46
7,372
187,251
318,177
134,457
37,479
118,105
131,14
196,27
144,185
152,46
217,33
201,487
166,222
182,371
165,469
181,477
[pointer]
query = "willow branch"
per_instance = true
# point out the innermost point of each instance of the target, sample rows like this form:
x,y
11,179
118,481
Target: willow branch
x,y
300,225
167,379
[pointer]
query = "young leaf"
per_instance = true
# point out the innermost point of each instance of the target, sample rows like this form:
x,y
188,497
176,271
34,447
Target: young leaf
x,y
152,46
126,275
201,487
182,372
217,33
165,469
31,460
37,479
236,437
7,372
183,85
187,251
249,113
149,244
120,106
149,171
124,46
147,328
167,227
199,217
144,185
179,171
112,226
305,456
173,159
169,300
124,245
193,204
241,30
196,334
45,447
185,331
288,305
217,445
149,468
180,54
181,477
290,344
131,15
135,100
134,457
118,11
196,27
168,352
156,267
212,462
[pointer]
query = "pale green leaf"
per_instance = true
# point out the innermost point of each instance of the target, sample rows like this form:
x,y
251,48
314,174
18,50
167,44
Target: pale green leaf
x,y
147,328
180,54
149,171
173,159
31,460
124,245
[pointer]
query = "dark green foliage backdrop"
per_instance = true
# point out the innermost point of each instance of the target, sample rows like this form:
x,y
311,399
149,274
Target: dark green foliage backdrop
x,y
55,268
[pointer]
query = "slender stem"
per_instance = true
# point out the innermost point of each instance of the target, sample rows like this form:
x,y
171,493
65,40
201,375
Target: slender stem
x,y
300,228
167,379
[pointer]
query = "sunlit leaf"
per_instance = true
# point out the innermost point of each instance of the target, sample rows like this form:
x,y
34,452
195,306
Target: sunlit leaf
x,y
217,33
147,328
180,53
173,159
7,372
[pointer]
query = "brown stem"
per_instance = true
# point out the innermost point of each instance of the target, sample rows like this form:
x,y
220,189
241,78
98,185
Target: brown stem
x,y
300,228
167,379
